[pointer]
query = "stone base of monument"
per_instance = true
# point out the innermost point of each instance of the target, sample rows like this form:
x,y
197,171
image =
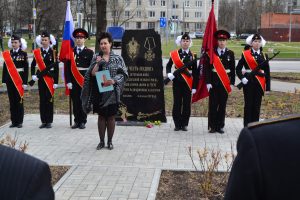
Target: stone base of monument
x,y
130,123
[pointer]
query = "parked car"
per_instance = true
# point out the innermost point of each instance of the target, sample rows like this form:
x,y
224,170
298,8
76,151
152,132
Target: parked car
x,y
244,35
192,35
117,33
199,34
232,35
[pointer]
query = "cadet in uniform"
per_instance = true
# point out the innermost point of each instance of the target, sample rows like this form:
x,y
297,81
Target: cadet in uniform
x,y
74,75
45,59
267,163
184,84
220,78
253,86
15,76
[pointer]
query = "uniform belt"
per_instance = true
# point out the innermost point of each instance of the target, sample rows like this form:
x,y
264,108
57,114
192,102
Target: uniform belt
x,y
249,71
20,69
227,70
82,68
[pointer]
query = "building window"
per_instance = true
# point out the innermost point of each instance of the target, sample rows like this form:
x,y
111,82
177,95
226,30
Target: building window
x,y
174,5
127,13
186,3
197,14
152,2
162,14
126,24
138,2
198,3
151,13
175,17
186,14
186,25
114,13
163,3
151,25
139,25
127,2
197,26
138,13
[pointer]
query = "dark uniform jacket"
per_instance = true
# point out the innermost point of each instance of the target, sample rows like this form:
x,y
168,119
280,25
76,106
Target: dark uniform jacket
x,y
21,61
228,62
23,177
252,80
267,163
49,58
82,60
188,58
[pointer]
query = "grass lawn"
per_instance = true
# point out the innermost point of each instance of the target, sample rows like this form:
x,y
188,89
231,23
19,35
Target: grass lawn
x,y
274,104
288,50
292,77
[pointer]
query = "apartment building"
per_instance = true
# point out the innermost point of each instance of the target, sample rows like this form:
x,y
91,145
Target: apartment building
x,y
181,15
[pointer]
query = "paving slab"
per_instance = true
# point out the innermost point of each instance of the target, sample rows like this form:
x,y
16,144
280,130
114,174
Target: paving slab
x,y
132,169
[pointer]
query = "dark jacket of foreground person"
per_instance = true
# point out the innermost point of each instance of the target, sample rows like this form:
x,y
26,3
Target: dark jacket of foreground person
x,y
267,163
23,177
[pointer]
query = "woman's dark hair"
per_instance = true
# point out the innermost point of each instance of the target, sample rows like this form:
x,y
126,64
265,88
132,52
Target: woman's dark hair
x,y
105,35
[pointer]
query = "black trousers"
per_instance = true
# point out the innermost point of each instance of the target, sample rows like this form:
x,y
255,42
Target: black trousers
x,y
252,98
46,102
15,104
79,115
217,107
182,103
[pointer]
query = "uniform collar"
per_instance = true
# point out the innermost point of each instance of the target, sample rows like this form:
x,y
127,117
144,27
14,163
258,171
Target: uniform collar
x,y
219,50
46,49
258,51
77,48
16,51
187,50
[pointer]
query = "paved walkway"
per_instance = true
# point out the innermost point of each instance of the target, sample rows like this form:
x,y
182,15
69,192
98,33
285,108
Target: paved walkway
x,y
132,169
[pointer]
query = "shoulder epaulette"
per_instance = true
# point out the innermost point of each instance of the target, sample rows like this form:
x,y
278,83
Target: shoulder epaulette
x,y
274,121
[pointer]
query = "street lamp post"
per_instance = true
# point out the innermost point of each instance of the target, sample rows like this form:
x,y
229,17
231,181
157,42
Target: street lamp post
x,y
34,18
290,29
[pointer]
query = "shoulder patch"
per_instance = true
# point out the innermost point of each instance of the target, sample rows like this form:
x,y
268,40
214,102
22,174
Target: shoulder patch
x,y
274,121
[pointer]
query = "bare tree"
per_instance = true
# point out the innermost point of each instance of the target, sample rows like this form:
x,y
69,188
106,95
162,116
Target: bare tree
x,y
101,20
119,12
226,15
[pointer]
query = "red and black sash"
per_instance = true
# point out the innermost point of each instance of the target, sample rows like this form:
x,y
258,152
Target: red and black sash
x,y
42,66
220,69
13,73
178,64
253,64
76,74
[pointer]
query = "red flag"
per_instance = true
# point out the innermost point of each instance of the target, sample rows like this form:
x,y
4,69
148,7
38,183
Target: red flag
x,y
208,44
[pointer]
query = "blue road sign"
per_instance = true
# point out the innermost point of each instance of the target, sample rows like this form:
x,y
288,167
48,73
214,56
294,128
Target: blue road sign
x,y
162,22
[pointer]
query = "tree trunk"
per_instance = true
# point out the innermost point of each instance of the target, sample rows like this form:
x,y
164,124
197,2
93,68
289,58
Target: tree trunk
x,y
101,21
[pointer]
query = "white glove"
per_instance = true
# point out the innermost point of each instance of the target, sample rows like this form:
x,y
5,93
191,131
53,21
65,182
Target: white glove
x,y
208,86
54,86
24,86
35,78
171,76
244,81
70,86
193,91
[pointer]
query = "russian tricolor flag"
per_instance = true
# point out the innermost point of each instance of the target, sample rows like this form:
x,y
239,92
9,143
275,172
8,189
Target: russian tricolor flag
x,y
67,44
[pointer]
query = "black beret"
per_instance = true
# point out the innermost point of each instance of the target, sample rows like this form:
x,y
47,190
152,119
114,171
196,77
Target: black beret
x,y
222,35
15,37
256,36
45,34
80,32
185,36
